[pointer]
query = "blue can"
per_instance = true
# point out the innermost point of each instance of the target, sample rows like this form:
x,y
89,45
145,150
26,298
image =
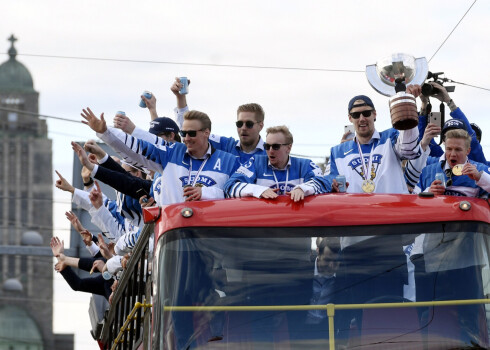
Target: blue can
x,y
120,113
185,86
440,176
342,182
147,94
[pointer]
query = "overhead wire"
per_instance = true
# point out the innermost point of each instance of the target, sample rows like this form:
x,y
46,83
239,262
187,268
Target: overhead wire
x,y
195,63
452,31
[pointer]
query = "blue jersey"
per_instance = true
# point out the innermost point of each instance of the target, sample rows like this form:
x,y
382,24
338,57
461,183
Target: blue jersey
x,y
230,145
461,185
258,175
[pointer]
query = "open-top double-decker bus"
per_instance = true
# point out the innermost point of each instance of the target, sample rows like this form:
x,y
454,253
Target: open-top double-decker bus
x,y
336,271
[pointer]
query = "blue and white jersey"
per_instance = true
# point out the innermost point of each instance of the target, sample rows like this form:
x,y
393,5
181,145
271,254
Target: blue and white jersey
x,y
258,175
177,167
461,185
388,149
227,144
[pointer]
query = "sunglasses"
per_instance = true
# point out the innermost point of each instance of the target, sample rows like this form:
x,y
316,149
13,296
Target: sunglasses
x,y
191,133
249,124
357,115
274,146
449,175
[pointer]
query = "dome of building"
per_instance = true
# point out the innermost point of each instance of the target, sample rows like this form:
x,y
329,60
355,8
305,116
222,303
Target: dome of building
x,y
14,76
31,238
18,330
12,285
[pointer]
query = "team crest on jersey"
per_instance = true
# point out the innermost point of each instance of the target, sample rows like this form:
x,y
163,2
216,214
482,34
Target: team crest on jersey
x,y
453,193
357,166
283,189
249,163
158,186
202,181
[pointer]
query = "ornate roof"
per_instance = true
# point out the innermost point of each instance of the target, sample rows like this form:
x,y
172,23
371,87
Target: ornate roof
x,y
14,76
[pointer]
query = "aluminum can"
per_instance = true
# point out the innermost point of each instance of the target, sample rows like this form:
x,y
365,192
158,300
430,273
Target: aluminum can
x,y
185,86
440,176
147,94
342,182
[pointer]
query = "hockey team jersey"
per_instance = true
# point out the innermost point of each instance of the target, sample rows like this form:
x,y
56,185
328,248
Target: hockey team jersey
x,y
386,149
177,167
253,178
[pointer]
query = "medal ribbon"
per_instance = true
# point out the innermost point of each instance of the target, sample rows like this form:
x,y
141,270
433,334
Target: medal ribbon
x,y
197,174
370,162
277,182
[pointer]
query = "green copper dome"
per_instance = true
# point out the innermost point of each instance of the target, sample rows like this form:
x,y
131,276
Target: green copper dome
x,y
18,330
14,76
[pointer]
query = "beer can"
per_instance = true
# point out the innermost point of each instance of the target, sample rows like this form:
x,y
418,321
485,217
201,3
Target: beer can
x,y
185,86
341,182
120,113
440,176
147,94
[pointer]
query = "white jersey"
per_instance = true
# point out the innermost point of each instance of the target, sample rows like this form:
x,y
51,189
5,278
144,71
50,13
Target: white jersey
x,y
386,150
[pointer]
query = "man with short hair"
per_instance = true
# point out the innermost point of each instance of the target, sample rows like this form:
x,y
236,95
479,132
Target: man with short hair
x,y
462,176
190,171
278,173
250,121
371,162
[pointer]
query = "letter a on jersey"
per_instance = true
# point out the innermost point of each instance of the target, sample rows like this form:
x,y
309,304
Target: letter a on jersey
x,y
217,165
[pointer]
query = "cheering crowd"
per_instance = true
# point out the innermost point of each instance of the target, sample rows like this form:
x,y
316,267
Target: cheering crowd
x,y
181,160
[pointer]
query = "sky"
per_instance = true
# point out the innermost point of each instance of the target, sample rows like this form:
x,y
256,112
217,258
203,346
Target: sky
x,y
328,43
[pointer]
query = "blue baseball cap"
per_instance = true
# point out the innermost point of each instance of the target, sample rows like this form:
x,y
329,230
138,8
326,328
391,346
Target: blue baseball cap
x,y
163,124
367,102
452,124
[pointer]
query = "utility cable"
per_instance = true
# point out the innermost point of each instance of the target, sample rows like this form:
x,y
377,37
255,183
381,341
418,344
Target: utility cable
x,y
38,115
195,64
452,30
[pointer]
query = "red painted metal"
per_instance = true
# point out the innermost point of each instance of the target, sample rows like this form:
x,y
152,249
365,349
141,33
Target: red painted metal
x,y
324,210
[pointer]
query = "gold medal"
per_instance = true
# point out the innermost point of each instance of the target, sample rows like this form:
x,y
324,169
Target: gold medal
x,y
368,186
458,169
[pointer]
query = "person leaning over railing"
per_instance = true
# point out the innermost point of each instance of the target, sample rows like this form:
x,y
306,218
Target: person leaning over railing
x,y
276,174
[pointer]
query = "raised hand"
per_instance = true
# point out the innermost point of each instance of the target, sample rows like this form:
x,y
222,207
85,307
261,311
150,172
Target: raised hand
x,y
92,147
57,246
77,225
82,156
124,123
96,124
95,196
62,184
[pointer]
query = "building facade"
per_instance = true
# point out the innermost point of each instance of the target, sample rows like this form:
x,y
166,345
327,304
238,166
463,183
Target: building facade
x,y
26,215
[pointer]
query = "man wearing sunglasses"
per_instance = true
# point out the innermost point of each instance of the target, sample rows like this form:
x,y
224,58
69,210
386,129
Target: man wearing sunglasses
x,y
192,170
278,173
371,162
250,121
462,176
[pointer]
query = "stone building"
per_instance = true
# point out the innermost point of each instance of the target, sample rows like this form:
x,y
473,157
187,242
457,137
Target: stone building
x,y
26,215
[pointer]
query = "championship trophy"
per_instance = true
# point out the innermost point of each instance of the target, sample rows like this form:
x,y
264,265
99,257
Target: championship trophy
x,y
390,77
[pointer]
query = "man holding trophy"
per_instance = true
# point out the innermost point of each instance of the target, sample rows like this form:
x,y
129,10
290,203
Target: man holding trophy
x,y
372,161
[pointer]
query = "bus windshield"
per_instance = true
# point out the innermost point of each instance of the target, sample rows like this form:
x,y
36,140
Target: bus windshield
x,y
419,286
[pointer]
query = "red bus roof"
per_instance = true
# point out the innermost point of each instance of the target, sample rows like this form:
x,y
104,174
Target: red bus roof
x,y
324,210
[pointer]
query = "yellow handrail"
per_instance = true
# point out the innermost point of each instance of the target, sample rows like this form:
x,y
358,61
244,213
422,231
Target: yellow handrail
x,y
330,308
130,317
